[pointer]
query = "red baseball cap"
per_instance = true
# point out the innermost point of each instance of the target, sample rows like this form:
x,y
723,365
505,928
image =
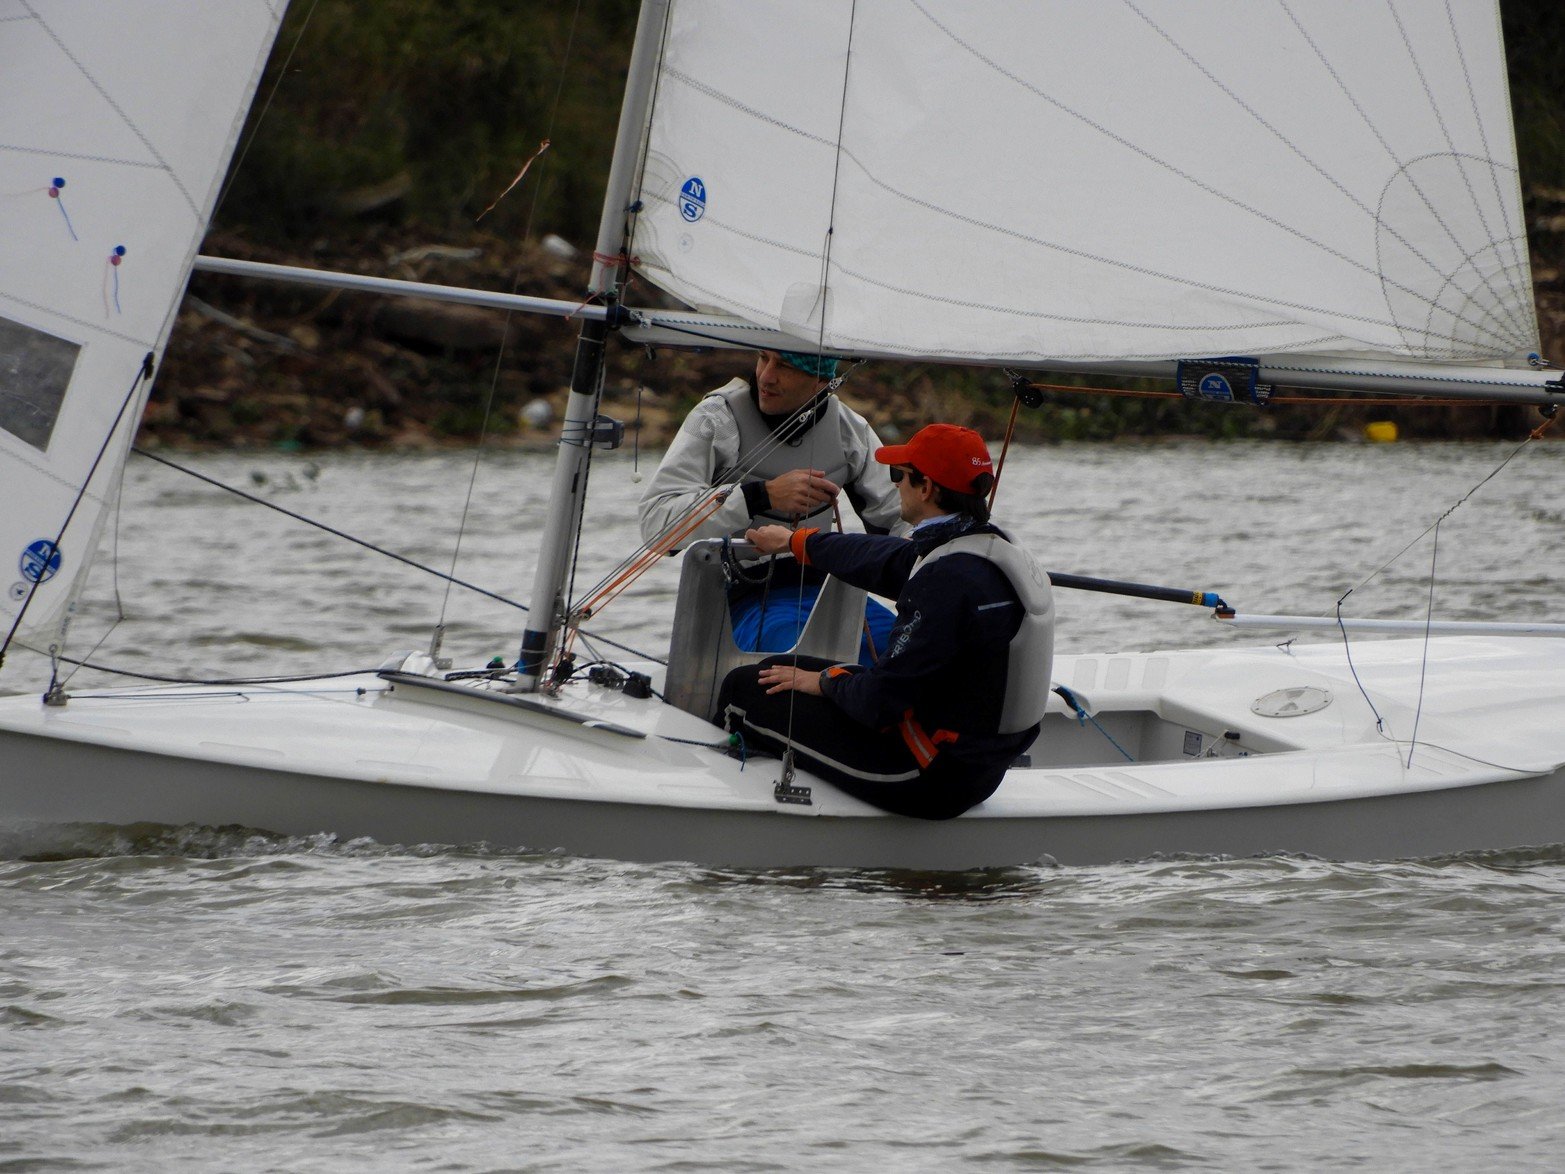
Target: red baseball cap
x,y
949,455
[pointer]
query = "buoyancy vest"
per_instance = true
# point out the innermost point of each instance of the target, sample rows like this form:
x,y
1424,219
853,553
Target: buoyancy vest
x,y
817,447
1030,654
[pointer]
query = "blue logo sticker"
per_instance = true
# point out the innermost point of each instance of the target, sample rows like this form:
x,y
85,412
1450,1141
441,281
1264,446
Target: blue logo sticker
x,y
692,199
1214,386
40,561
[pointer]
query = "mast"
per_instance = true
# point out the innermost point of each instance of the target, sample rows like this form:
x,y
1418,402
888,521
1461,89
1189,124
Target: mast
x,y
565,497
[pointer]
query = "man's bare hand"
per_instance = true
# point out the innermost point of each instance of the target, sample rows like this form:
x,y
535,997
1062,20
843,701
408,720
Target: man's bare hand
x,y
800,491
780,678
769,539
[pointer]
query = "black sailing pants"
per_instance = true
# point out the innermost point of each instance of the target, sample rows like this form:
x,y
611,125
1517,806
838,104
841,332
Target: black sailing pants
x,y
873,765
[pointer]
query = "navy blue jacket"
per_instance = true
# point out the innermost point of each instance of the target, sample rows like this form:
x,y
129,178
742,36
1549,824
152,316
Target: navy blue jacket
x,y
949,648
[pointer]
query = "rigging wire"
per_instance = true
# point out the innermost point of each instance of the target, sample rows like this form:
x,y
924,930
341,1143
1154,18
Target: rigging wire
x,y
570,624
1423,665
1535,434
83,663
505,333
391,554
114,577
260,118
143,373
820,341
1550,415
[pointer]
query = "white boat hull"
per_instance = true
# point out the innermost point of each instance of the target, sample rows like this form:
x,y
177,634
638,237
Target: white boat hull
x,y
599,774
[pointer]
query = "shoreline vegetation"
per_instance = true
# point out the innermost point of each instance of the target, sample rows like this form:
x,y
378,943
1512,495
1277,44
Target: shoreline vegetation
x,y
382,132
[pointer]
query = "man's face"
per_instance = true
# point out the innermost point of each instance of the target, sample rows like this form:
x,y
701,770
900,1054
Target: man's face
x,y
913,496
782,389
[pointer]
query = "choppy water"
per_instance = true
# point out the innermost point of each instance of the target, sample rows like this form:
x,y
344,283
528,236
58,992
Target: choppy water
x,y
223,999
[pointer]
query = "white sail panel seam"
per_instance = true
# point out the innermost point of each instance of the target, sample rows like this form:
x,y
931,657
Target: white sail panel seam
x,y
22,458
708,219
96,328
1458,349
1519,259
1333,180
1467,299
1017,311
115,106
78,156
749,111
1146,272
1198,184
1445,132
1374,130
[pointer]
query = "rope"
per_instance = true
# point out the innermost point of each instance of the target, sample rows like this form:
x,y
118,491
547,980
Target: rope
x,y
1005,448
782,435
1423,665
1347,651
520,175
627,573
1083,717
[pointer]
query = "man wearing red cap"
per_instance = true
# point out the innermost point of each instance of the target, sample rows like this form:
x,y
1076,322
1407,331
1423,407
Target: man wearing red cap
x,y
929,730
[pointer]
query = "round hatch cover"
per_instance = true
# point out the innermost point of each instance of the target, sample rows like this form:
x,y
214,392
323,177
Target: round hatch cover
x,y
1294,702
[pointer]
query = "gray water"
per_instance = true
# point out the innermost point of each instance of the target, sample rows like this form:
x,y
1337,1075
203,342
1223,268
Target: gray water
x,y
226,999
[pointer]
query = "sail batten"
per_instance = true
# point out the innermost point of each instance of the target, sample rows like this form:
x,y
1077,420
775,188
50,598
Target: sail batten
x,y
1065,179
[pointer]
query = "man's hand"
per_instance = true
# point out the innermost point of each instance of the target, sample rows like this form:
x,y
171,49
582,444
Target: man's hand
x,y
799,491
780,678
769,539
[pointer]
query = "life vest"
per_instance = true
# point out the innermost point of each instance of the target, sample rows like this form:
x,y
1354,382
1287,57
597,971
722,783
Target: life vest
x,y
1029,658
816,447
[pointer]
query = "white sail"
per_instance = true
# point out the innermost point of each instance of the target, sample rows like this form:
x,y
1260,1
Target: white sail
x,y
1090,180
116,124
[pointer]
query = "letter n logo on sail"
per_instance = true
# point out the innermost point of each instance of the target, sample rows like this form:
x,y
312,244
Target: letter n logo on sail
x,y
1214,386
692,199
40,561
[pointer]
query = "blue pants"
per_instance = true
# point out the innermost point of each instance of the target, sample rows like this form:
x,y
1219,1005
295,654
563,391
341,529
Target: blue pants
x,y
771,621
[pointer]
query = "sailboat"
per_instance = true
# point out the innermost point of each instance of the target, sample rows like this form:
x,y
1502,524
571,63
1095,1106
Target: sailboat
x,y
1228,195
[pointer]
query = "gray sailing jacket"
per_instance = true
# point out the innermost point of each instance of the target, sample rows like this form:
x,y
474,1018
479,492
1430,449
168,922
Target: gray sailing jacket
x,y
715,447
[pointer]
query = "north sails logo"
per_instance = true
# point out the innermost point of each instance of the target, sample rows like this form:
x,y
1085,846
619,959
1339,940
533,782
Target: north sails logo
x,y
1215,386
40,561
692,199
38,564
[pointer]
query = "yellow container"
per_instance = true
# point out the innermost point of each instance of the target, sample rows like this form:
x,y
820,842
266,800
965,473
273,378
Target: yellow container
x,y
1380,431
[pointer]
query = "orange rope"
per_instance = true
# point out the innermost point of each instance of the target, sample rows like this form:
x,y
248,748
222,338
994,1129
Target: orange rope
x,y
638,566
1010,427
542,147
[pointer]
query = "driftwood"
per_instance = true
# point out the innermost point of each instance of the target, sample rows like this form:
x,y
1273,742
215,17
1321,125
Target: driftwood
x,y
441,324
240,326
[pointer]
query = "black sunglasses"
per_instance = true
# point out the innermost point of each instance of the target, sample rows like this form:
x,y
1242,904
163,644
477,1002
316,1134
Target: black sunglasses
x,y
897,472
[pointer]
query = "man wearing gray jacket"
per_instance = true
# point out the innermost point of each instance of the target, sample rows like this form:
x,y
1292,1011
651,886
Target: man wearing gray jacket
x,y
788,448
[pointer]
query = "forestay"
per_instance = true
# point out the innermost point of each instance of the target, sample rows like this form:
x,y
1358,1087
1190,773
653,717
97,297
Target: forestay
x,y
1081,180
110,159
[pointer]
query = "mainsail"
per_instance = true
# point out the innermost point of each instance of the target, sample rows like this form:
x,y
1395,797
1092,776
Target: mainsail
x,y
110,161
1075,180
